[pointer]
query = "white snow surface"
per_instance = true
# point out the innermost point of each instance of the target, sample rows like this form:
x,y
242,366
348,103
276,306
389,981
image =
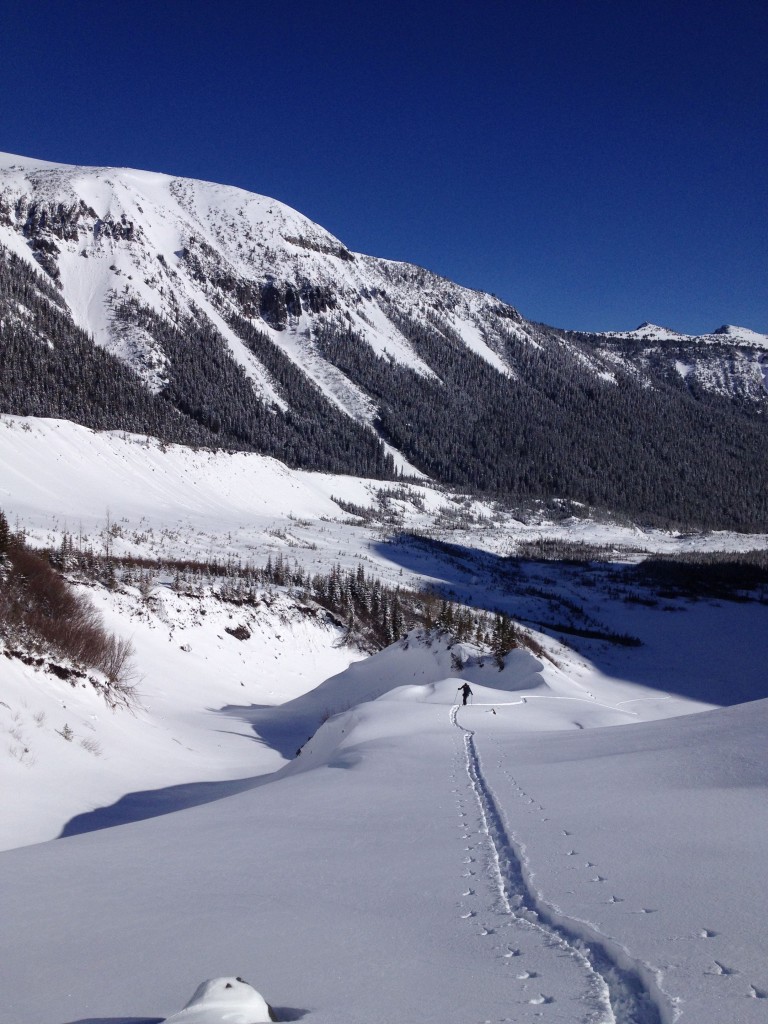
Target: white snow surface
x,y
163,500
584,841
421,861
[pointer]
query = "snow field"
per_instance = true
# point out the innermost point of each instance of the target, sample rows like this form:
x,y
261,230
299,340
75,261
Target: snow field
x,y
359,882
64,752
391,871
166,501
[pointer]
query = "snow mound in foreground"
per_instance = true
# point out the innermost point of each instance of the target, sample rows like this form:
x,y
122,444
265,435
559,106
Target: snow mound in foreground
x,y
224,1001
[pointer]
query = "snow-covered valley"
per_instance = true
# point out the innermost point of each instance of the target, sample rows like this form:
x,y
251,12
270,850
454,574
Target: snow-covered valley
x,y
583,841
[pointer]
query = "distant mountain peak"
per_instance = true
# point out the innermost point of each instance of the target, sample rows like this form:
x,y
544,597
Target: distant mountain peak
x,y
647,329
742,335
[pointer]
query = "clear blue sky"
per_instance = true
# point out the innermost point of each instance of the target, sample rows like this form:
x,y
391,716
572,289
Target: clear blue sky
x,y
594,162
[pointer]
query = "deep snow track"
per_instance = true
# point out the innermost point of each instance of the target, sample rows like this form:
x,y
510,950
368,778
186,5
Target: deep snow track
x,y
621,991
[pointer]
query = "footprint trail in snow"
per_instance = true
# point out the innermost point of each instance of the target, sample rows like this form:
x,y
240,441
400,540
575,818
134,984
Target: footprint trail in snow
x,y
605,986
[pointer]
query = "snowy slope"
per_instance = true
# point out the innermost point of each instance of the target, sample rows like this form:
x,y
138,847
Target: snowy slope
x,y
741,334
168,501
178,246
65,752
583,842
425,862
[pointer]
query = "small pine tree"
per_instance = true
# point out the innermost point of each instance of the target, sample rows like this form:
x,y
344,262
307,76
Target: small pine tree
x,y
504,638
5,534
445,619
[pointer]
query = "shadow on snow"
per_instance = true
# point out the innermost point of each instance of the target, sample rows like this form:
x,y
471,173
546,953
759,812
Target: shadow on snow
x,y
701,648
118,1020
284,733
687,630
283,1013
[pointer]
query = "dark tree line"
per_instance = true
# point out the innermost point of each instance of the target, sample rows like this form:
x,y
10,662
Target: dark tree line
x,y
49,367
667,455
316,424
373,614
206,384
555,429
52,368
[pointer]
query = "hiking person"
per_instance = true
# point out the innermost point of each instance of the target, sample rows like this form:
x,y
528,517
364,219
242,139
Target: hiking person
x,y
465,692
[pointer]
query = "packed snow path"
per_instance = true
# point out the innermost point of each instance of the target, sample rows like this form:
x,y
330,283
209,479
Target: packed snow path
x,y
614,990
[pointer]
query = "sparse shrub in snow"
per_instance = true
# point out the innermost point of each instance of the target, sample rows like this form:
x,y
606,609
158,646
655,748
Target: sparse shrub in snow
x,y
146,584
91,745
239,632
116,661
372,613
458,661
22,755
41,613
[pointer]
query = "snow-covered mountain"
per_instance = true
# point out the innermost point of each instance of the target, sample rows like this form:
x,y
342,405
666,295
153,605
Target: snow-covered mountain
x,y
247,325
730,362
188,248
185,247
652,332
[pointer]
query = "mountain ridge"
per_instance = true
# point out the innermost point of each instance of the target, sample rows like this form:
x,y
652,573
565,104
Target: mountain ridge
x,y
253,327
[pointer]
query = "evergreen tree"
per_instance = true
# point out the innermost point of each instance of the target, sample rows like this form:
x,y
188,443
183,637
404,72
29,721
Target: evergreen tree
x,y
504,638
5,534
